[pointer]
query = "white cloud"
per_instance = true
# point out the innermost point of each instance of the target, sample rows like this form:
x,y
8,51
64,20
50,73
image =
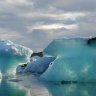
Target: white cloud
x,y
35,23
53,27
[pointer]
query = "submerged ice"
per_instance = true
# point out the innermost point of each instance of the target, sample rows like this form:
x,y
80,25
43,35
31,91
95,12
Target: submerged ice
x,y
11,55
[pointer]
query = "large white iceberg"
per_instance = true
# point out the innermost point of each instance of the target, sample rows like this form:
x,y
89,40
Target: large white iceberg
x,y
75,60
11,55
9,48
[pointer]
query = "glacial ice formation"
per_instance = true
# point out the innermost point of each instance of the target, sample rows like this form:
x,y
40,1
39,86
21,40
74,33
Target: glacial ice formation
x,y
66,59
39,66
75,60
11,55
9,48
21,68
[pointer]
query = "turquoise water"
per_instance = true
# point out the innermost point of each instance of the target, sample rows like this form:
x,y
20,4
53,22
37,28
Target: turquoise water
x,y
7,89
31,86
22,86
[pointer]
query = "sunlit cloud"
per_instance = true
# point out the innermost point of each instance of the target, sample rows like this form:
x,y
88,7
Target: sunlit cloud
x,y
53,27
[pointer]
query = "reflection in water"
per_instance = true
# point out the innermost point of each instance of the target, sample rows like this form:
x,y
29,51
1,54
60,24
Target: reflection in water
x,y
7,89
80,89
31,86
38,88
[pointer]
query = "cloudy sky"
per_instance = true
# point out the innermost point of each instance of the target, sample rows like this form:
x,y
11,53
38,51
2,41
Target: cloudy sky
x,y
35,23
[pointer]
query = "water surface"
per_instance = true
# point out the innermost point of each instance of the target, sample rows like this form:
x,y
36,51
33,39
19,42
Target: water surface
x,y
29,85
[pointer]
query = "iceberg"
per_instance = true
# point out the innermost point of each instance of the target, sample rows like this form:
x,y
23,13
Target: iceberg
x,y
39,66
20,68
64,60
75,60
12,55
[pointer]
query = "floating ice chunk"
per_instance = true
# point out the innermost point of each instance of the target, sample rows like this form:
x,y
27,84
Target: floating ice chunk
x,y
39,66
8,47
76,60
12,54
20,68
